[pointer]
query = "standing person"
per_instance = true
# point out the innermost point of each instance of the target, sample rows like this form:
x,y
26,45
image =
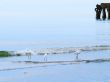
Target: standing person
x,y
98,10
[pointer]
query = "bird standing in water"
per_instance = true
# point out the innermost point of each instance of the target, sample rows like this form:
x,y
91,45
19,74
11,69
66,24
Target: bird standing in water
x,y
45,57
77,52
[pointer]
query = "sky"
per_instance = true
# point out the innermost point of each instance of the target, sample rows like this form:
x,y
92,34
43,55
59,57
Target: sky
x,y
33,22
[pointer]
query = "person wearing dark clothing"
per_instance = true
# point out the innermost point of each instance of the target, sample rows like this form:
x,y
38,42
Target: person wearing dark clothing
x,y
98,10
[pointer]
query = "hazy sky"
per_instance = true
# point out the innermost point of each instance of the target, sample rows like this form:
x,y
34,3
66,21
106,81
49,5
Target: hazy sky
x,y
29,22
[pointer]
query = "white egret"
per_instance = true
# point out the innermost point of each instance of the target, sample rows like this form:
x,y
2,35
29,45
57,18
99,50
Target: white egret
x,y
28,53
45,57
77,52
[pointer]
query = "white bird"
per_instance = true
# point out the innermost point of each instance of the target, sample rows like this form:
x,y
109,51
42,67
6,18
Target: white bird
x,y
77,52
45,57
28,53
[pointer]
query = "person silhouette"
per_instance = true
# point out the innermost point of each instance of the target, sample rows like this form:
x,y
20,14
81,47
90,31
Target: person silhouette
x,y
98,10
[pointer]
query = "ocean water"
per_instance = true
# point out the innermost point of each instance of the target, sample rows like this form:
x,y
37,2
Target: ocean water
x,y
13,71
48,24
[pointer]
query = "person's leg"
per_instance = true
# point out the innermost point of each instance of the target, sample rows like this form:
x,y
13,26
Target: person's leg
x,y
104,14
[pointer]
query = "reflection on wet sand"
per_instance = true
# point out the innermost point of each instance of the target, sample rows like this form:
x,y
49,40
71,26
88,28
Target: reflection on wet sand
x,y
53,63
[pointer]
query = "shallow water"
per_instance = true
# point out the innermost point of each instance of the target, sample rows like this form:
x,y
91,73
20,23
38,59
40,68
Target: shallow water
x,y
80,72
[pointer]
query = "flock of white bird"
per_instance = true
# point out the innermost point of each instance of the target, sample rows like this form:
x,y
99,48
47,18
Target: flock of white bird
x,y
74,50
29,53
